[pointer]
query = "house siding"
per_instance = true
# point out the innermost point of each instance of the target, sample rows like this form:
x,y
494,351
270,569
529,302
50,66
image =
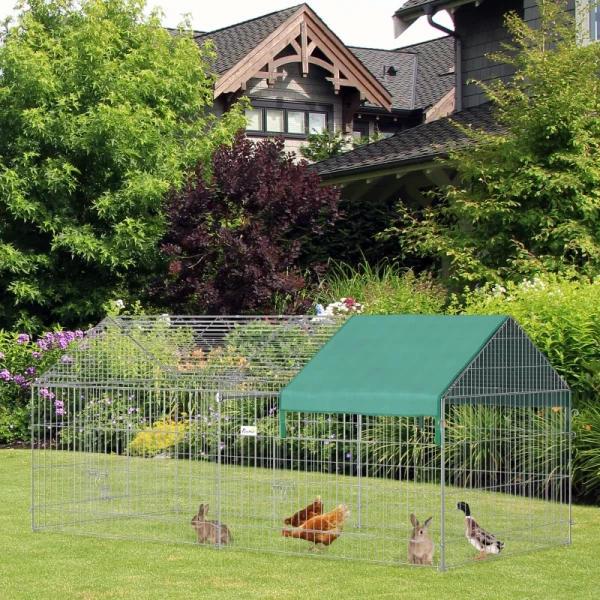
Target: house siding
x,y
532,13
482,32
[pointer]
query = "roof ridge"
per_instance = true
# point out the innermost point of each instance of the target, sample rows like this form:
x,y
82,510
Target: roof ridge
x,y
394,51
275,12
437,39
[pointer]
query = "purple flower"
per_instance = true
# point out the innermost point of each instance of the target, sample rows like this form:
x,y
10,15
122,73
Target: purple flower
x,y
66,359
45,393
78,334
132,397
19,379
2,355
60,411
42,344
23,338
348,454
59,403
29,371
332,435
5,375
36,355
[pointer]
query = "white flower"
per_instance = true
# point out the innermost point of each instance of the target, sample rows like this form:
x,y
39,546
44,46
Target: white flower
x,y
119,303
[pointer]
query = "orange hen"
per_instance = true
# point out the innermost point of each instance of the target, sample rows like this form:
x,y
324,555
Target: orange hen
x,y
312,510
321,529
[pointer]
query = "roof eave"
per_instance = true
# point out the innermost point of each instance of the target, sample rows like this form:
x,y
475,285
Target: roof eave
x,y
403,19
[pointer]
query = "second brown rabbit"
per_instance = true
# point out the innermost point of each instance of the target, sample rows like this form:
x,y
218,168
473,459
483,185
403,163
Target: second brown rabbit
x,y
420,545
210,531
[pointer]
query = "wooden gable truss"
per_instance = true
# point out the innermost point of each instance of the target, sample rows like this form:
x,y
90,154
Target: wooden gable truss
x,y
305,39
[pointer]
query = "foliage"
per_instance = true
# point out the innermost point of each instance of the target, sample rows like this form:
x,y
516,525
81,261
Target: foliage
x,y
586,451
235,237
529,197
324,145
158,438
559,315
383,289
101,110
21,361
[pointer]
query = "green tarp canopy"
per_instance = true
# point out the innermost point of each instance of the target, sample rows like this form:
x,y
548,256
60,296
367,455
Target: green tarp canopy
x,y
397,365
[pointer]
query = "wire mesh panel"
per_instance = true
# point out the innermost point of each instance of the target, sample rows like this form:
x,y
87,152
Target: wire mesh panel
x,y
168,429
507,451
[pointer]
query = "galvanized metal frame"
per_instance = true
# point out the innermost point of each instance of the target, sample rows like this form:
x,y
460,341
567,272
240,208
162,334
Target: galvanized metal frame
x,y
162,414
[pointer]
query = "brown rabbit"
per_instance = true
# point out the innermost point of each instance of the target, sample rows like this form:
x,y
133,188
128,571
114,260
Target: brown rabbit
x,y
211,531
420,546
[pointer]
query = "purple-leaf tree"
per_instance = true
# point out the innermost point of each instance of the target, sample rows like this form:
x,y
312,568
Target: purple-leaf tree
x,y
235,235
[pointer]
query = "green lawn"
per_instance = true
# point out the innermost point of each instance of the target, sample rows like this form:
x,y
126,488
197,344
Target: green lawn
x,y
55,565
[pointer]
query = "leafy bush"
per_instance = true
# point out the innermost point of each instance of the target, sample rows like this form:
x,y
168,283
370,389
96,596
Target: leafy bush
x,y
235,237
101,110
158,438
586,452
383,289
21,361
560,315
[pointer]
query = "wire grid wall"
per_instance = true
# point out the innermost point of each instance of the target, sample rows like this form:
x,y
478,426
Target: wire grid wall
x,y
507,448
142,422
151,417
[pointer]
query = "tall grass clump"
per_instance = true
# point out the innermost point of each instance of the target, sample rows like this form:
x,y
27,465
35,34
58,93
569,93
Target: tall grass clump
x,y
383,289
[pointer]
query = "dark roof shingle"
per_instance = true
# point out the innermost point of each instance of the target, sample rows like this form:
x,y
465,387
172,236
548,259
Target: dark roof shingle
x,y
233,43
419,144
419,83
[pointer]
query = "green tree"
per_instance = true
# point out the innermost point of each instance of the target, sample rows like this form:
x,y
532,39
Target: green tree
x,y
529,197
327,144
101,112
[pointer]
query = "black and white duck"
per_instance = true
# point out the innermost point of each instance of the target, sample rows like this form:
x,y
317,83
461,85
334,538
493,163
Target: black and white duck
x,y
485,542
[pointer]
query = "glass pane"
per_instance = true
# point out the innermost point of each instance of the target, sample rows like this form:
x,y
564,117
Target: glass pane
x,y
317,122
295,120
275,120
357,134
255,119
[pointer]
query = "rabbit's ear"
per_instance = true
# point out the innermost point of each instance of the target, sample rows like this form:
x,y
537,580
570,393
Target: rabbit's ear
x,y
206,509
200,509
427,523
414,521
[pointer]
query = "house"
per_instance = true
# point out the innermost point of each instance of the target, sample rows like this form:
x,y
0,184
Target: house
x,y
404,166
301,78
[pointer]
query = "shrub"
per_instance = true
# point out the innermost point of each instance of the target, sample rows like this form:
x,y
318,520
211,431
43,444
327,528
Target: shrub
x,y
586,452
235,237
560,315
383,289
21,361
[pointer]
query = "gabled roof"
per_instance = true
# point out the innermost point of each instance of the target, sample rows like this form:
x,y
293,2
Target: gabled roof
x,y
234,42
245,49
406,365
419,144
397,365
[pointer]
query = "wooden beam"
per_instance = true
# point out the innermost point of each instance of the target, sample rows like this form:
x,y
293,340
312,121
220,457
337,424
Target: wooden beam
x,y
415,194
350,104
438,176
304,54
357,192
296,47
395,185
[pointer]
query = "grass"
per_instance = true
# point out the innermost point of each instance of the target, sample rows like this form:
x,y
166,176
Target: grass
x,y
48,564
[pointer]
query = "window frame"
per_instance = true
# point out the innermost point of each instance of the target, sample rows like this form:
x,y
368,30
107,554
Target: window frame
x,y
286,105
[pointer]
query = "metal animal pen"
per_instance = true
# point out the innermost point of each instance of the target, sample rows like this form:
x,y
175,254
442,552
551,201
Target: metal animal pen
x,y
148,417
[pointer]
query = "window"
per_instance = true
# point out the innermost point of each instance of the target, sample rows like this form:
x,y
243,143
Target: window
x,y
588,20
255,119
291,119
274,121
595,22
317,122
